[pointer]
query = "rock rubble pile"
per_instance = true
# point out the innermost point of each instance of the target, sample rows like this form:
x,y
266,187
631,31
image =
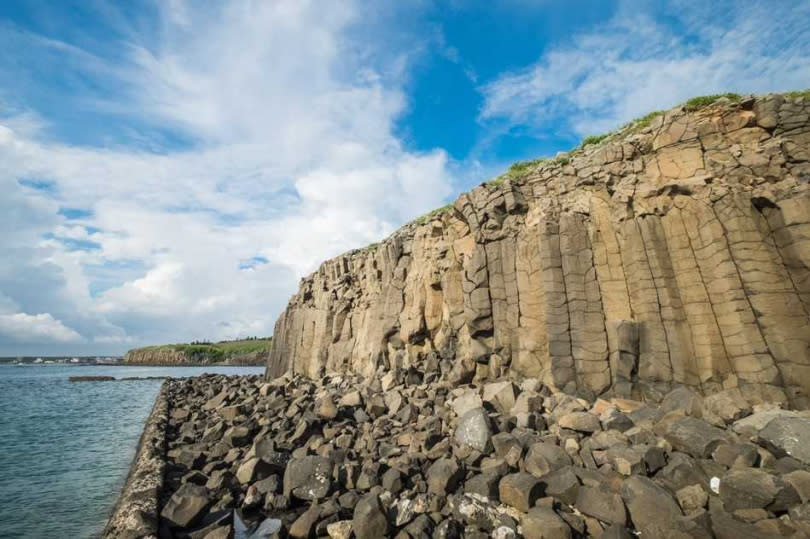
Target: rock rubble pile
x,y
408,454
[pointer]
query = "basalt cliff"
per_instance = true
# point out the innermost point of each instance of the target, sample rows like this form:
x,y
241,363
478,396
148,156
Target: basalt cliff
x,y
673,252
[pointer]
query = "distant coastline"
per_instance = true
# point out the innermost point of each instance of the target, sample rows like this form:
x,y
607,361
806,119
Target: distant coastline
x,y
243,352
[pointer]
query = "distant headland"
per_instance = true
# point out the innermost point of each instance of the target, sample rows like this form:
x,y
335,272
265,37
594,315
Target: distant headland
x,y
250,351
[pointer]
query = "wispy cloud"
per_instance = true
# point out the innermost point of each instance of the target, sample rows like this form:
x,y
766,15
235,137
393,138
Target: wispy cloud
x,y
286,155
636,63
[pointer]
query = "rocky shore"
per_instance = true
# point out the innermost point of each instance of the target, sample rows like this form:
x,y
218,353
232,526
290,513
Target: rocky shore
x,y
409,454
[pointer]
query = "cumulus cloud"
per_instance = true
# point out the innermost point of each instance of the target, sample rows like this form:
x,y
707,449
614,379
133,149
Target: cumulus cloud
x,y
36,328
276,144
636,63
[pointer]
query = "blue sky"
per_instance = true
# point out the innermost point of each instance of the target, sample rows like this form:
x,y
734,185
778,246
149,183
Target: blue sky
x,y
171,168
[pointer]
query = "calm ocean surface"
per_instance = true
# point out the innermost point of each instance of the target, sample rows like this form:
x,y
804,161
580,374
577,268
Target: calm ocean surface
x,y
66,447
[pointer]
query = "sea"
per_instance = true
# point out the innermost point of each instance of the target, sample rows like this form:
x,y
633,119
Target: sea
x,y
66,447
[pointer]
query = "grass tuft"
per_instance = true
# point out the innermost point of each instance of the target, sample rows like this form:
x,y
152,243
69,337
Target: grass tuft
x,y
800,94
697,103
432,214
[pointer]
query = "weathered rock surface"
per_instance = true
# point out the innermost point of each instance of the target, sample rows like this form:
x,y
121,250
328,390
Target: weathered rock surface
x,y
673,254
539,470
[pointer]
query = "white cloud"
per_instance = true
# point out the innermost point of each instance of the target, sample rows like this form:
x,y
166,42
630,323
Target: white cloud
x,y
292,158
27,328
634,64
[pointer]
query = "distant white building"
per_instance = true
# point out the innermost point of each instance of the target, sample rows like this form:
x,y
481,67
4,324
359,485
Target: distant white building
x,y
38,360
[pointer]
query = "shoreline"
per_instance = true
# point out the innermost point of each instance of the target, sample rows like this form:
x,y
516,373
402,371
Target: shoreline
x,y
136,512
411,452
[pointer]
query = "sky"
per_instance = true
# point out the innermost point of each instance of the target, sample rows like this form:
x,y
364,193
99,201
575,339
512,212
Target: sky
x,y
170,169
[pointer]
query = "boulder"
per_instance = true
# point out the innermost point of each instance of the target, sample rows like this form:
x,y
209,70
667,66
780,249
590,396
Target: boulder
x,y
748,488
788,436
308,478
694,436
252,470
466,401
520,490
580,421
602,504
443,476
370,520
545,457
501,395
651,507
186,505
474,430
562,484
544,523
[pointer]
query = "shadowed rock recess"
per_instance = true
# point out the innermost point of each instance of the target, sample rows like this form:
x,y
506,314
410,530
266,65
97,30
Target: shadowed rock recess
x,y
673,253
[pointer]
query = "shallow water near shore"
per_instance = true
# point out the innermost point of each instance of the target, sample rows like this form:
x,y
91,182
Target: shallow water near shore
x,y
66,447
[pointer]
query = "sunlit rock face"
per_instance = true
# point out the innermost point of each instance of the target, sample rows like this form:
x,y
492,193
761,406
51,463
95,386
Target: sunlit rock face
x,y
676,252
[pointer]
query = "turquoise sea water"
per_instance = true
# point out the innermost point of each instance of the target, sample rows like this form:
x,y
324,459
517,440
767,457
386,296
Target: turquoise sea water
x,y
66,447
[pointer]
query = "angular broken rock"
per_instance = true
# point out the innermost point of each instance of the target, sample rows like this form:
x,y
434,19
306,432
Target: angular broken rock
x,y
580,421
788,436
473,429
308,478
252,470
237,436
501,395
443,476
326,408
694,436
562,484
520,490
544,523
601,503
186,505
747,488
370,521
545,457
342,529
651,507
466,401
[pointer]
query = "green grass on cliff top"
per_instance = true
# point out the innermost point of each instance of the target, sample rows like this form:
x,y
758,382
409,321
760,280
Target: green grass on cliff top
x,y
219,351
522,169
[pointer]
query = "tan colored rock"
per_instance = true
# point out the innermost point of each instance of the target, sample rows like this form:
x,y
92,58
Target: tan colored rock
x,y
677,255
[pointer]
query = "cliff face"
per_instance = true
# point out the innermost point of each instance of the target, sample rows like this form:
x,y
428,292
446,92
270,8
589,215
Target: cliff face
x,y
675,253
